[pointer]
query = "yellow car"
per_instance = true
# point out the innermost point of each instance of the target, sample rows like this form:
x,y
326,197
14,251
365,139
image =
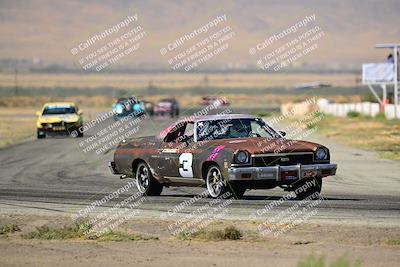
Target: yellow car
x,y
59,118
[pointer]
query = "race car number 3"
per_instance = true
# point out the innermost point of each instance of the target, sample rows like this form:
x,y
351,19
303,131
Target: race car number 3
x,y
186,160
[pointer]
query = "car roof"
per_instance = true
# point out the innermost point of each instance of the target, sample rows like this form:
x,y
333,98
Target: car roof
x,y
191,119
60,104
224,117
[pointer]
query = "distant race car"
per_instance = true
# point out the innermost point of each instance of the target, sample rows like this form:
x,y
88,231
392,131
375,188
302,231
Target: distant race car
x,y
59,119
167,107
225,153
127,106
213,100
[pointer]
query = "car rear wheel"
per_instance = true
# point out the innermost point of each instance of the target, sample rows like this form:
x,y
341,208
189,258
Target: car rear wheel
x,y
145,182
216,185
308,188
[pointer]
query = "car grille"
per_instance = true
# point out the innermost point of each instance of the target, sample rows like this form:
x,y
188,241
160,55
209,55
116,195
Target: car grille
x,y
66,125
283,159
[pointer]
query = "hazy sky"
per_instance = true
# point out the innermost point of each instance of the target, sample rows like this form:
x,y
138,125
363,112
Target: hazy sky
x,y
50,29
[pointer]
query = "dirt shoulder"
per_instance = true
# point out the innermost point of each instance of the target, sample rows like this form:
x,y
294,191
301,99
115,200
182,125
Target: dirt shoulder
x,y
372,246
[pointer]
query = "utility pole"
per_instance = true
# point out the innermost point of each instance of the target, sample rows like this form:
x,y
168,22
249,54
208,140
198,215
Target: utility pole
x,y
396,80
16,77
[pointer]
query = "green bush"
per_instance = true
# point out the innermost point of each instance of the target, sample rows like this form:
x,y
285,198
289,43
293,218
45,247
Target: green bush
x,y
353,114
380,116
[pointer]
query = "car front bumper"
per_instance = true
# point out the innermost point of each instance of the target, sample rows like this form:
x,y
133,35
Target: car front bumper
x,y
281,173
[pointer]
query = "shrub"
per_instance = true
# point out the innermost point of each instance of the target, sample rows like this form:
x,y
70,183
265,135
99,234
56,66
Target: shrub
x,y
380,116
229,233
353,114
9,228
80,230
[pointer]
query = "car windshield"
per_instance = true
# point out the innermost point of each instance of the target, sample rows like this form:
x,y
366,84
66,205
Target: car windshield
x,y
233,128
55,110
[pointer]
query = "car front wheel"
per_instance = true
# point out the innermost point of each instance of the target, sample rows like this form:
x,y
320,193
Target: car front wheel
x,y
146,183
40,134
216,185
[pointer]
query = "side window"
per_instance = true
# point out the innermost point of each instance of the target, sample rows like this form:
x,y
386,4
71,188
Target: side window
x,y
175,134
257,130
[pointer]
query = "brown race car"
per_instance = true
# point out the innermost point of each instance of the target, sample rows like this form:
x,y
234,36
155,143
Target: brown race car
x,y
223,152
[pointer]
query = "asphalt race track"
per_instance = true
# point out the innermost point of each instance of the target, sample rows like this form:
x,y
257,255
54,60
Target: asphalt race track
x,y
54,175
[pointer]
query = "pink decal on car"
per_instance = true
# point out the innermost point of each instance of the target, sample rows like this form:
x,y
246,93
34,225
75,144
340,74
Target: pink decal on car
x,y
215,153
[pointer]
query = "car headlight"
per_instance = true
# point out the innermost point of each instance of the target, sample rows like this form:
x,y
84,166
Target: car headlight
x,y
242,157
321,154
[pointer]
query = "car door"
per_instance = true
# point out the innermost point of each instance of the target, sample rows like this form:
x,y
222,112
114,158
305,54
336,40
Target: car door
x,y
175,154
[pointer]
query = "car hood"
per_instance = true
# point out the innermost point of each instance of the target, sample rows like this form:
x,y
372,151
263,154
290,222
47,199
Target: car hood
x,y
59,118
259,145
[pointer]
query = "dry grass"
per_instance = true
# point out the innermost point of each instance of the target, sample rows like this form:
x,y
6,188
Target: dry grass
x,y
15,129
185,99
79,231
372,134
38,101
228,233
313,261
172,80
9,228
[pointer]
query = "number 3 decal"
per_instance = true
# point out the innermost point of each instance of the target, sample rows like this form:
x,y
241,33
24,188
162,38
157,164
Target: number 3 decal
x,y
186,160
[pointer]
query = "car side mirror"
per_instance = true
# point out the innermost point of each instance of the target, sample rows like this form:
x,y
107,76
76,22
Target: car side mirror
x,y
80,112
282,133
37,113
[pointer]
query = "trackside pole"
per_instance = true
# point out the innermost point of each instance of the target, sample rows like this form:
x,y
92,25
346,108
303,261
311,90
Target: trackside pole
x,y
396,85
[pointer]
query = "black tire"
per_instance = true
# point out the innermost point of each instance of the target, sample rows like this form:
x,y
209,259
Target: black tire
x,y
313,191
145,182
80,134
39,135
237,190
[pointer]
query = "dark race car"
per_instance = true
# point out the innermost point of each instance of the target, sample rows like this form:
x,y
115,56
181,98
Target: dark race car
x,y
127,106
167,107
223,152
